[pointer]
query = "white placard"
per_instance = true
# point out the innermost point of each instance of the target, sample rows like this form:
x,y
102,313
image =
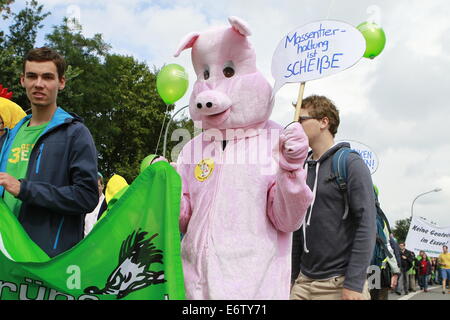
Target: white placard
x,y
426,237
370,157
316,50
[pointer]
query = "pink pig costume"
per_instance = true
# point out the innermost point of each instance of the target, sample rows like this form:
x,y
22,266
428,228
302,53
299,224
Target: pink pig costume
x,y
239,211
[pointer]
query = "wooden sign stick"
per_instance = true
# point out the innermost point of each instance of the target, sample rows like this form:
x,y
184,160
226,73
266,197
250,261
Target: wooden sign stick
x,y
299,101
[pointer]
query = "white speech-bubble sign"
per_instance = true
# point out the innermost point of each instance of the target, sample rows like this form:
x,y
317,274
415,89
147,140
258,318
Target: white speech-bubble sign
x,y
367,154
316,50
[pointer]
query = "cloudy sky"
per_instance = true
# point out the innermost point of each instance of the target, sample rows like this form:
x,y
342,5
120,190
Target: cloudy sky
x,y
396,103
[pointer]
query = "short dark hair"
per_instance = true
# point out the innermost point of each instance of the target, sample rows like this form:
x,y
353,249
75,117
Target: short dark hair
x,y
321,107
444,247
46,54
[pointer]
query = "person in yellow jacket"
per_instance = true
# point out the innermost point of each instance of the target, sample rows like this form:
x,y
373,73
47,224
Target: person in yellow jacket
x,y
444,262
10,115
116,187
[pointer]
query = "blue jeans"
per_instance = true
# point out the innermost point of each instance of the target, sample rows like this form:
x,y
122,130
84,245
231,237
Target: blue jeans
x,y
445,273
438,277
403,282
423,281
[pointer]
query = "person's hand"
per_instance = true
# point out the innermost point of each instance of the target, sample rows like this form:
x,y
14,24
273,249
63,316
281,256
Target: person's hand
x,y
348,294
158,159
293,147
394,280
403,257
11,184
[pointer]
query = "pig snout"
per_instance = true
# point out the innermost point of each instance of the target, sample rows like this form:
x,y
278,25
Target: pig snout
x,y
212,102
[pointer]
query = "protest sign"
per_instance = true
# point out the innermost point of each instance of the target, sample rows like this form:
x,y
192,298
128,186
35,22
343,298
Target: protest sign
x,y
132,253
427,237
316,50
370,158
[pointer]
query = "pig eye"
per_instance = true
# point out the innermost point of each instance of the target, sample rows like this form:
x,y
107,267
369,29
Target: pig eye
x,y
228,72
206,74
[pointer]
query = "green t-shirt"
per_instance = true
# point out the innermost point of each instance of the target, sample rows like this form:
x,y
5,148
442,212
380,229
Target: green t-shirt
x,y
18,159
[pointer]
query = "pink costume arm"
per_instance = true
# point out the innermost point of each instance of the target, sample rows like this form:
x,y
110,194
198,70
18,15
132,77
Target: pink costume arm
x,y
185,204
289,196
185,211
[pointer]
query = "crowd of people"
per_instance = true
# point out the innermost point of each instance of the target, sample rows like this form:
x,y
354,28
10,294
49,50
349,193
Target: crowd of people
x,y
50,181
421,271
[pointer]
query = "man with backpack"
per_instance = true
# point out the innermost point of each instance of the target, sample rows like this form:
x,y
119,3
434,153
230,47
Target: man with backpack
x,y
406,258
395,247
413,272
333,249
384,256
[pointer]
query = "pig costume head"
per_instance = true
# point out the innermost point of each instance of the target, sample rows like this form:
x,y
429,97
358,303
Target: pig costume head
x,y
230,92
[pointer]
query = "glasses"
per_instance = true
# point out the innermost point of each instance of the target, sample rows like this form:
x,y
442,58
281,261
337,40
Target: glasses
x,y
301,119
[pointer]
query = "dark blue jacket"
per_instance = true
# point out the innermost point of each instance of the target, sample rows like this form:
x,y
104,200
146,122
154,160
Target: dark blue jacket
x,y
61,182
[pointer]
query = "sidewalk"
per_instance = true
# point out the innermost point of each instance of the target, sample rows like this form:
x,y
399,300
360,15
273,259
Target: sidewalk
x,y
434,293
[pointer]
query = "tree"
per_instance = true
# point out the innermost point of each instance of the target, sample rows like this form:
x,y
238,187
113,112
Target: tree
x,y
84,58
5,9
14,45
23,32
401,229
134,113
176,139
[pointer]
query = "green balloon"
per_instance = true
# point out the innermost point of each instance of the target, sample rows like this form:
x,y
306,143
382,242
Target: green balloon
x,y
375,38
172,83
147,161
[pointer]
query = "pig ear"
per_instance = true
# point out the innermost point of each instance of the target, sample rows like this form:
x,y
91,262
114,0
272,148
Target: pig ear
x,y
240,26
187,42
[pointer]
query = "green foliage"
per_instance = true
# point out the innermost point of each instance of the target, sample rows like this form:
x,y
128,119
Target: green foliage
x,y
23,32
5,9
84,58
14,45
134,113
11,69
176,139
401,229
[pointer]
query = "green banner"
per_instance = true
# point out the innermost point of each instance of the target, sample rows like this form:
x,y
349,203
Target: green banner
x,y
132,253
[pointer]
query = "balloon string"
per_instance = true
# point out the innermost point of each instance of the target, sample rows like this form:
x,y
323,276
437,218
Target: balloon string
x,y
162,128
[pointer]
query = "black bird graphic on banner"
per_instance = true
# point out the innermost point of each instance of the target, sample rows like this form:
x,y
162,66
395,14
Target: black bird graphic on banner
x,y
133,272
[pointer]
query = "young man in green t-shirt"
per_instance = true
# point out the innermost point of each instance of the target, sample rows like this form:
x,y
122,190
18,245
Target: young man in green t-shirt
x,y
48,162
18,160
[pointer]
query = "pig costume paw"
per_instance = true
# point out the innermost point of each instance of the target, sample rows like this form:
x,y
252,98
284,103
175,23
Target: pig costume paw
x,y
293,147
